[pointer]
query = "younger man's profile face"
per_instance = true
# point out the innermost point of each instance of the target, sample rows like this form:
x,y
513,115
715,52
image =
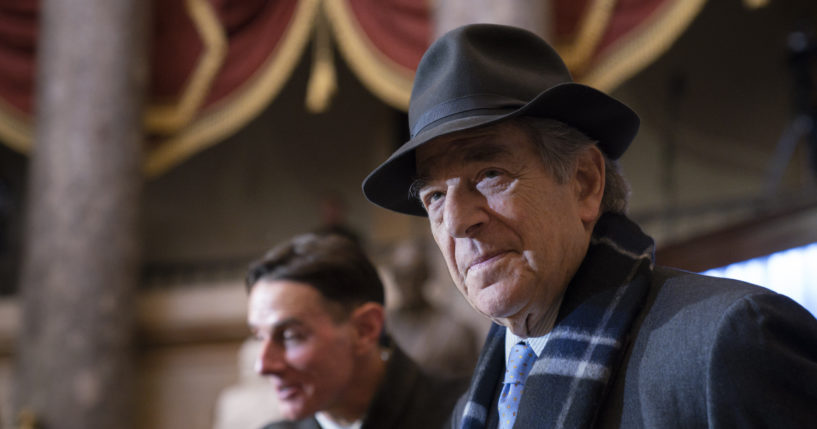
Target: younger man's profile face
x,y
306,352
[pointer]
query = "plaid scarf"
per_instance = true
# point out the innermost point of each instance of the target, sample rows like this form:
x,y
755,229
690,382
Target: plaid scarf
x,y
568,382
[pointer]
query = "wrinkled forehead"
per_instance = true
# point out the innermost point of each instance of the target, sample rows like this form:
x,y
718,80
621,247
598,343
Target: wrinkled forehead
x,y
482,145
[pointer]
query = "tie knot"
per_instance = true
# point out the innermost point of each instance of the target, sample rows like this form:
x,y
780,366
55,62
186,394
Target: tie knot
x,y
520,362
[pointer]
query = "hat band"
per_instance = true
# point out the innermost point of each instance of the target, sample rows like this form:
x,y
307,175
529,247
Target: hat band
x,y
462,105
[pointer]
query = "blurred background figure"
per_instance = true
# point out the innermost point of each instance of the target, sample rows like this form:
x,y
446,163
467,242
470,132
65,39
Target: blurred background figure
x,y
334,218
432,335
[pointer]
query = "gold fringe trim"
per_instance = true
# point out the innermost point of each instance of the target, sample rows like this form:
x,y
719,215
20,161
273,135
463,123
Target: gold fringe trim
x,y
239,108
168,119
636,50
577,54
382,76
15,130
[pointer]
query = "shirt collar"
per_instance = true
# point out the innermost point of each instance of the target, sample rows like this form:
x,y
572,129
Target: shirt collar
x,y
326,423
536,343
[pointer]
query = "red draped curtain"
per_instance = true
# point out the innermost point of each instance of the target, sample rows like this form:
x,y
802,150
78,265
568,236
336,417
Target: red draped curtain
x,y
217,63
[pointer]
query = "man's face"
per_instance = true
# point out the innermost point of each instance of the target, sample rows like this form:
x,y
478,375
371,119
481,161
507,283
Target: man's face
x,y
512,236
308,355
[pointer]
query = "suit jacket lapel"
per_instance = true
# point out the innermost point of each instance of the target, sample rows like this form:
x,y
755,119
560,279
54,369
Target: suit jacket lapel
x,y
487,376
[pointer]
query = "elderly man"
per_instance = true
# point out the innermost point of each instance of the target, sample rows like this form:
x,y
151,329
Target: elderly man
x,y
514,165
316,304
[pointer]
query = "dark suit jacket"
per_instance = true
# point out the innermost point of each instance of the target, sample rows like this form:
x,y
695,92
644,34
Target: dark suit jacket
x,y
408,398
708,352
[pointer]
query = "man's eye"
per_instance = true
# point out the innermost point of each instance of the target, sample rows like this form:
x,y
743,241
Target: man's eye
x,y
431,197
291,336
490,174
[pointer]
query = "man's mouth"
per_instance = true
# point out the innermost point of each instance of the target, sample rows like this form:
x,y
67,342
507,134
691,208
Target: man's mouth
x,y
483,261
287,391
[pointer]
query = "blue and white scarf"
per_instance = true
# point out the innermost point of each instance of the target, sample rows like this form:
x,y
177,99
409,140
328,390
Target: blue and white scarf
x,y
568,382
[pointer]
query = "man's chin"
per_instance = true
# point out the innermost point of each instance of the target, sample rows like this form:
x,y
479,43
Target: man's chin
x,y
512,317
294,411
493,302
501,315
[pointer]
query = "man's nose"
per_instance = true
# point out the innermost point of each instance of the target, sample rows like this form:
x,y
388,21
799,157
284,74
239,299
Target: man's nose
x,y
464,211
270,360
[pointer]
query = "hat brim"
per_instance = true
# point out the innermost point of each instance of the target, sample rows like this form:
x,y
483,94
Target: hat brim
x,y
599,116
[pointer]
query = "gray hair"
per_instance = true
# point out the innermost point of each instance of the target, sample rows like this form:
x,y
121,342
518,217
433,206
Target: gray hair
x,y
560,144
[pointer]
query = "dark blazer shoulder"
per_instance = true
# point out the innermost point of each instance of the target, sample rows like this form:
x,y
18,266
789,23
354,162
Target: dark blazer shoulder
x,y
706,351
409,397
686,288
688,315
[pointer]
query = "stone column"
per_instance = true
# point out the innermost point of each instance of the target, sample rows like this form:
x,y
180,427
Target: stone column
x,y
533,15
80,268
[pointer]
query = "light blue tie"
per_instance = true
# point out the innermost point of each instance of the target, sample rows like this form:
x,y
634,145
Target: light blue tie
x,y
520,362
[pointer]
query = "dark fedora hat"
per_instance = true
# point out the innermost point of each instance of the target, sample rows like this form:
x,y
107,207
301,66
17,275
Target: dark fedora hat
x,y
480,74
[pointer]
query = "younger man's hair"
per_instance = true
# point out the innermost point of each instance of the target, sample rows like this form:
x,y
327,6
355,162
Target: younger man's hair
x,y
334,265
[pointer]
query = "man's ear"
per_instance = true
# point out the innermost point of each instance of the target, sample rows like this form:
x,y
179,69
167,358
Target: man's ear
x,y
367,322
589,181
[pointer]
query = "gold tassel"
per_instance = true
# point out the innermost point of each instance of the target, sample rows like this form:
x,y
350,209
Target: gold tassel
x,y
755,4
322,79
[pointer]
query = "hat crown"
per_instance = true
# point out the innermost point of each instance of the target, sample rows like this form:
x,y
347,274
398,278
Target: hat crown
x,y
482,66
479,75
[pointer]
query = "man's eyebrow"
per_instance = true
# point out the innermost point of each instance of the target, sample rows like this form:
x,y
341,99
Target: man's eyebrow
x,y
281,324
484,152
288,322
468,152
